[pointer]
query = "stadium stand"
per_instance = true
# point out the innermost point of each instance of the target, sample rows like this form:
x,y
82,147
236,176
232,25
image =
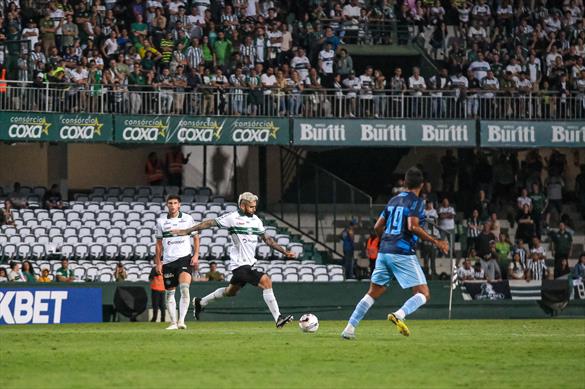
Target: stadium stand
x,y
275,58
95,234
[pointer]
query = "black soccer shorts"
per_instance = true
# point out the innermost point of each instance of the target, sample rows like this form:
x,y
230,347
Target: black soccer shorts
x,y
246,275
171,271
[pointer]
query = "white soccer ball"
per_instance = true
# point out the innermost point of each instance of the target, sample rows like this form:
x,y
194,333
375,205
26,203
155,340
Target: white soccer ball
x,y
309,323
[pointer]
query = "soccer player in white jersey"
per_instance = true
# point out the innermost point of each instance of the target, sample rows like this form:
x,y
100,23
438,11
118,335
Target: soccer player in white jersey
x,y
178,260
245,228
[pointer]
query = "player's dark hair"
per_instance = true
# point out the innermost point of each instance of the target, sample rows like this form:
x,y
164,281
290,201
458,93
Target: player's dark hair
x,y
413,178
173,197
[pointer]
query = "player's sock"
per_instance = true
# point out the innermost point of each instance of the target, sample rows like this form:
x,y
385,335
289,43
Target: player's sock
x,y
171,305
217,294
360,311
184,301
411,305
270,300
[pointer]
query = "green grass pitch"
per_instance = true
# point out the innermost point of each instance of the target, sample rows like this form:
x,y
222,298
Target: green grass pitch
x,y
439,354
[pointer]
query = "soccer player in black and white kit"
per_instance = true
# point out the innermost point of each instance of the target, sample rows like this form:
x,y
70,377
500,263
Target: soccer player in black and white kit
x,y
245,228
178,260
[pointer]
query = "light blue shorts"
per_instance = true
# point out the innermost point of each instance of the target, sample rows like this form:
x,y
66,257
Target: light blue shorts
x,y
405,268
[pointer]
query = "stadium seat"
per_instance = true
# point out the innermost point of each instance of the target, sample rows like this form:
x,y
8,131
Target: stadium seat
x,y
296,249
141,251
214,207
92,207
54,231
334,277
200,208
307,277
115,231
145,240
9,231
105,277
84,231
102,215
203,251
206,240
230,207
75,223
73,216
56,241
324,278
155,207
204,191
216,251
197,216
171,190
42,214
15,239
135,224
3,240
263,251
96,251
79,273
117,215
116,240
111,251
222,240
91,273
211,215
81,251
9,251
149,215
282,240
28,239
133,215
126,251
277,277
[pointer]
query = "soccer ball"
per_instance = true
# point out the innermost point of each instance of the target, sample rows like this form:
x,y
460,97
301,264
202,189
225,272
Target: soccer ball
x,y
309,323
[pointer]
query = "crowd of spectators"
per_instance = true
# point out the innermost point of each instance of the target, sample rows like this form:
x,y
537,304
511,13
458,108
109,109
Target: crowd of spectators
x,y
25,272
278,57
538,213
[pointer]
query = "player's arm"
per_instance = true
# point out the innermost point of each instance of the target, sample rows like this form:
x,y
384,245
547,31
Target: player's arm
x,y
380,225
157,256
272,243
205,224
416,229
195,259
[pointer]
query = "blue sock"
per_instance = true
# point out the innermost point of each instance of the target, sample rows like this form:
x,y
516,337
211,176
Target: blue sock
x,y
360,310
412,304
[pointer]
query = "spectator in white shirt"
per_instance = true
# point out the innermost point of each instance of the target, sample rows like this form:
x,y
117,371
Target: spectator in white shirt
x,y
466,271
15,274
447,216
524,199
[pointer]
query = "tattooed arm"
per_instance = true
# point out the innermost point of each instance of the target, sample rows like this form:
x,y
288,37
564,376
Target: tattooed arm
x,y
272,243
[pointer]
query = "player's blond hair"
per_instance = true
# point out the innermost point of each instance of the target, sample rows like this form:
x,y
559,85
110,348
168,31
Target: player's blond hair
x,y
247,197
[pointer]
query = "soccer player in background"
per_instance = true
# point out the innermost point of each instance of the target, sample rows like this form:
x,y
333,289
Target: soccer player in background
x,y
400,227
178,260
245,228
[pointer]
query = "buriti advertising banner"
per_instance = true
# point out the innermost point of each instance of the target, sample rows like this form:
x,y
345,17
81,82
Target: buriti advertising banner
x,y
51,127
328,132
201,130
532,134
50,305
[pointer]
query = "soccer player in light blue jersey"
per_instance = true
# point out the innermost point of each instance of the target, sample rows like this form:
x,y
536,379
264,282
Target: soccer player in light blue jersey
x,y
400,228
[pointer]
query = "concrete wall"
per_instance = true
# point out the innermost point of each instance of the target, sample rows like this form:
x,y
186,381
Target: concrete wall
x,y
25,163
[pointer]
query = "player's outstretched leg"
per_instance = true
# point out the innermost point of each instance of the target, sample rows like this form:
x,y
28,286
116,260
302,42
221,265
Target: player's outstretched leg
x,y
172,307
421,296
199,304
183,305
270,300
361,309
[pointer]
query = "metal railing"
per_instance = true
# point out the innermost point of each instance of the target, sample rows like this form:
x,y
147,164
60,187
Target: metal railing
x,y
311,103
317,202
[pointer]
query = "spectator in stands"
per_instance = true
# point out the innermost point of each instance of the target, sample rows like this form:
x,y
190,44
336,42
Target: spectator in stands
x,y
28,271
372,247
473,229
525,230
64,274
503,247
482,243
524,199
478,272
44,277
213,274
537,248
554,187
490,265
347,237
154,170
52,198
539,204
120,273
157,294
495,224
3,275
175,160
398,187
15,274
516,269
482,204
578,270
447,216
537,267
430,194
6,215
17,198
465,271
428,251
562,242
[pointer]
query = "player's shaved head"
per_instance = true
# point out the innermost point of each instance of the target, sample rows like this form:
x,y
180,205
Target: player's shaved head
x,y
413,178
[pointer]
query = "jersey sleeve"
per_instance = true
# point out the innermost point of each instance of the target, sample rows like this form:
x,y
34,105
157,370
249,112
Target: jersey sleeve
x,y
227,220
158,233
384,213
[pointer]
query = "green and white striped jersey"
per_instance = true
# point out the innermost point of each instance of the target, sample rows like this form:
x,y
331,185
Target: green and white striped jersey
x,y
174,247
244,231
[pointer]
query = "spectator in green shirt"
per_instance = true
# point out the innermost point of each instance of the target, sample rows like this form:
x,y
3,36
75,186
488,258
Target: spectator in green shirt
x,y
539,203
64,274
222,48
28,271
562,241
503,248
138,29
213,274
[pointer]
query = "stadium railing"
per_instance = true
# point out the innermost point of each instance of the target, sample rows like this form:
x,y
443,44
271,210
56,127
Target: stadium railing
x,y
316,201
311,103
